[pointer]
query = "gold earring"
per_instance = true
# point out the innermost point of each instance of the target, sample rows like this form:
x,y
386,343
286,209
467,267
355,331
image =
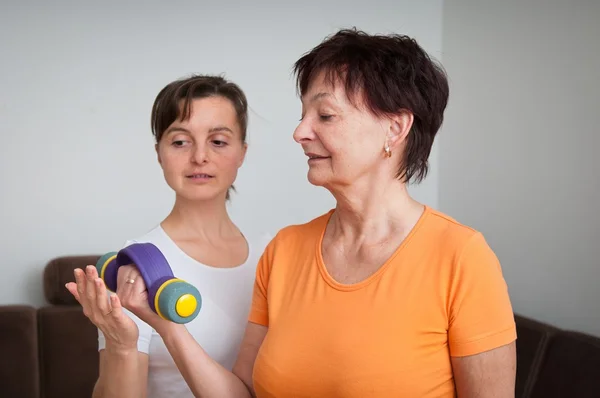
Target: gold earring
x,y
387,150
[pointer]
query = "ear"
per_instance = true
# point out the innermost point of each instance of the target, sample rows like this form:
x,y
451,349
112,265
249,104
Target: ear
x,y
400,125
157,154
243,156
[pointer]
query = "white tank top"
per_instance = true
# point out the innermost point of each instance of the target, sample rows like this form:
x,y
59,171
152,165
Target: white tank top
x,y
221,322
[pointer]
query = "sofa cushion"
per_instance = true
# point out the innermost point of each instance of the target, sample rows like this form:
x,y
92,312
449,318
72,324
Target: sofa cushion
x,y
68,352
533,337
19,376
58,272
571,367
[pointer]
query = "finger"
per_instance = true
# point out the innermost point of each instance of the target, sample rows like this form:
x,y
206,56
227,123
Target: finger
x,y
122,273
72,288
115,302
138,285
116,308
129,279
117,314
134,277
133,295
102,301
80,281
90,286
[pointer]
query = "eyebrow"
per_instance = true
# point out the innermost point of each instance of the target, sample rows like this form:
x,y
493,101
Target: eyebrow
x,y
216,129
176,129
318,96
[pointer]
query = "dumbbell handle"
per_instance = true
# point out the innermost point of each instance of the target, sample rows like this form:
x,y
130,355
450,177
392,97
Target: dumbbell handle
x,y
154,272
169,297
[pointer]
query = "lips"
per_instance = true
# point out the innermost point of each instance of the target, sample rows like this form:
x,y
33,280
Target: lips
x,y
199,176
315,156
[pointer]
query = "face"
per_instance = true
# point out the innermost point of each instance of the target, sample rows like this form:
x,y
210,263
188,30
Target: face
x,y
200,157
343,141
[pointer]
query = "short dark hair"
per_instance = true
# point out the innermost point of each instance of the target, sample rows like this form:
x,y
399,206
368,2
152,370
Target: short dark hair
x,y
394,73
174,102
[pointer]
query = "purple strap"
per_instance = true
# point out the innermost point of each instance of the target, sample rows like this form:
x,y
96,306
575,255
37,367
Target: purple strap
x,y
151,263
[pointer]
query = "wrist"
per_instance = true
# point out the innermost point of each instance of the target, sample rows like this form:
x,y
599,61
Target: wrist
x,y
119,349
168,330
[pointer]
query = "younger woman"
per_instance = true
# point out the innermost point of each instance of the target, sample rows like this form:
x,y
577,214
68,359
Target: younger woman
x,y
200,128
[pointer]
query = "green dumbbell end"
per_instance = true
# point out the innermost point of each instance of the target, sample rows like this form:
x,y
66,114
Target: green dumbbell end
x,y
103,261
178,301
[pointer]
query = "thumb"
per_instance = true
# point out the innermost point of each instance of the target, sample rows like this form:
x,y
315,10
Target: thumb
x,y
72,288
120,317
117,308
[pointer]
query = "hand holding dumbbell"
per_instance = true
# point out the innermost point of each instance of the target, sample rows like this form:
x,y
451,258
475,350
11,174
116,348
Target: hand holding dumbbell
x,y
169,297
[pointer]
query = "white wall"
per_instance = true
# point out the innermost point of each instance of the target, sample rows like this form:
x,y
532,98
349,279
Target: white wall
x,y
79,174
519,153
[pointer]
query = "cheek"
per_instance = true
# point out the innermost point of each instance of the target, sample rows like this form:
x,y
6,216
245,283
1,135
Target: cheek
x,y
363,141
228,160
341,144
353,152
343,138
172,161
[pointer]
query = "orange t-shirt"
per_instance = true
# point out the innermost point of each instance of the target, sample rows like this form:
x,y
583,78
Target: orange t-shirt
x,y
441,294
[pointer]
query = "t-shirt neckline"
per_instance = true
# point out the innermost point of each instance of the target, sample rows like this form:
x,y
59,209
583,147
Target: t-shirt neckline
x,y
189,258
359,285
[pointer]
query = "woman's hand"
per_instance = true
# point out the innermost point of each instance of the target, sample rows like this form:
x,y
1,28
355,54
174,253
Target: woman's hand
x,y
120,330
133,294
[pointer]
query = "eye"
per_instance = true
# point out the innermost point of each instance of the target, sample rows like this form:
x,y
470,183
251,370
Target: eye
x,y
325,118
219,143
178,143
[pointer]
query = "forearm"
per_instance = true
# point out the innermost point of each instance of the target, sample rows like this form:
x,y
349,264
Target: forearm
x,y
205,377
120,375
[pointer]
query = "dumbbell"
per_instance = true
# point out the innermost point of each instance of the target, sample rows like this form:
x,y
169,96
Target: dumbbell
x,y
171,298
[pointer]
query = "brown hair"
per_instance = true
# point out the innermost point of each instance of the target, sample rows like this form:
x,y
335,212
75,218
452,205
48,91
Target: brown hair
x,y
394,73
168,105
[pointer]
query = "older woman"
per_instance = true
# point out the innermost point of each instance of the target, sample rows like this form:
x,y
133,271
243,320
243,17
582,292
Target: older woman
x,y
381,296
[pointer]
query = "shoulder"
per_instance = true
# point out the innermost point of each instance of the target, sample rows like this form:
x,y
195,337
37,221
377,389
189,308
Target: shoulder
x,y
294,241
303,232
289,245
448,226
259,240
155,235
450,236
476,297
464,249
159,239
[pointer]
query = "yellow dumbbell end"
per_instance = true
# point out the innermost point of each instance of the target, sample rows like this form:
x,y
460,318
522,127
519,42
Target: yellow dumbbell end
x,y
178,301
186,305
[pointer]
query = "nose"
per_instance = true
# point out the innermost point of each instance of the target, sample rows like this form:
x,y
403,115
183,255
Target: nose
x,y
304,132
199,154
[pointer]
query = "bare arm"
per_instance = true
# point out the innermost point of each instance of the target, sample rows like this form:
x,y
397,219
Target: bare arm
x,y
123,370
253,339
123,373
206,377
491,374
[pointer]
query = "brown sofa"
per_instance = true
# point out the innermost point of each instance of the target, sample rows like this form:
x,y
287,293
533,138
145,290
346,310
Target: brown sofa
x,y
51,352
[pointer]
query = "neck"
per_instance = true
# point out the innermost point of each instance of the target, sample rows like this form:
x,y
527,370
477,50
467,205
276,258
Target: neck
x,y
206,220
374,212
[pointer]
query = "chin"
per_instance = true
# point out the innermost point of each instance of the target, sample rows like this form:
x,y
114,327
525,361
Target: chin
x,y
201,195
317,179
